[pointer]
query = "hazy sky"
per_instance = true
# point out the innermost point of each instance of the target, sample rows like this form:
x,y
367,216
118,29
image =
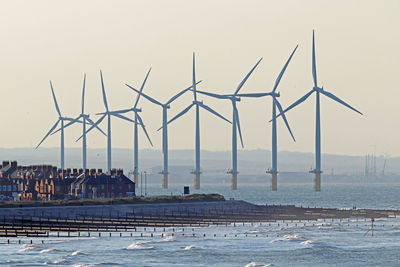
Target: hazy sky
x,y
357,44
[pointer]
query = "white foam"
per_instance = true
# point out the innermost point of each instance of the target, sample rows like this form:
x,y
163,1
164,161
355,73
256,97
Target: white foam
x,y
47,250
168,239
189,247
258,264
308,242
28,247
77,252
139,245
289,237
60,261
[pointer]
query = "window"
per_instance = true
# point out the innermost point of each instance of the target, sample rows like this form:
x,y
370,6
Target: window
x,y
102,186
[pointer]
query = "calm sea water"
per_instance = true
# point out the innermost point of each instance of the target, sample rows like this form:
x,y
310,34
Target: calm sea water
x,y
322,243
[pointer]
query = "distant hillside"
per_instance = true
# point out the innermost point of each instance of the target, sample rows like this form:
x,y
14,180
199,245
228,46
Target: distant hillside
x,y
214,163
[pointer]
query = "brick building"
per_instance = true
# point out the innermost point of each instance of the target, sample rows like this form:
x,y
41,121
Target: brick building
x,y
45,182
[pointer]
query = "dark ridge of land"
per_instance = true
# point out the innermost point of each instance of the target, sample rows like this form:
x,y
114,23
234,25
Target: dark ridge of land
x,y
40,221
115,201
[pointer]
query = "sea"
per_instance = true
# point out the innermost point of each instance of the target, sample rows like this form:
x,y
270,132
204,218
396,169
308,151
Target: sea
x,y
338,242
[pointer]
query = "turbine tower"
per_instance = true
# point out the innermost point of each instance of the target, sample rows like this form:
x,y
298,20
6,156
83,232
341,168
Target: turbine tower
x,y
198,105
60,119
138,120
107,114
235,123
85,119
165,108
318,90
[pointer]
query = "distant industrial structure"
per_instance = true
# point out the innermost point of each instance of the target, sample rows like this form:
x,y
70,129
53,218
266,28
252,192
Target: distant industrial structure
x,y
83,118
47,182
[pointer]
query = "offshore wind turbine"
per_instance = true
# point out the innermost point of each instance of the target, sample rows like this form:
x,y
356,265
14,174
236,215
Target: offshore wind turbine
x,y
318,90
198,105
137,120
107,114
275,104
60,119
85,119
235,122
165,106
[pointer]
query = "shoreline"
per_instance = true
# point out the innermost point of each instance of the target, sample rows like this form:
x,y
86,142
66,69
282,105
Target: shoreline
x,y
40,221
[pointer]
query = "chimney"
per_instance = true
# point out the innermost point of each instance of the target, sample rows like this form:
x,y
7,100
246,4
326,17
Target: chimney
x,y
99,171
74,171
5,163
92,172
80,171
86,172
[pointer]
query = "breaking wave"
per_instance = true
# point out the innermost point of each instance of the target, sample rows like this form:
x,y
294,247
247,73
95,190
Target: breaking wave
x,y
77,252
47,250
258,264
189,247
139,245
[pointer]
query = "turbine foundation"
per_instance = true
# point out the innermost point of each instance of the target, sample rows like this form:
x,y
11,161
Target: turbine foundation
x,y
234,181
136,179
196,184
317,181
164,180
274,181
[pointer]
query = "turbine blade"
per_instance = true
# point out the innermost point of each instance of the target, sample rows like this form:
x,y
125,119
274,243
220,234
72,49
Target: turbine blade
x,y
141,88
238,124
194,77
247,77
104,91
122,117
55,100
68,124
215,95
69,119
48,133
331,96
144,129
83,94
123,110
284,117
300,100
314,64
254,95
278,79
214,112
178,115
93,125
145,96
180,93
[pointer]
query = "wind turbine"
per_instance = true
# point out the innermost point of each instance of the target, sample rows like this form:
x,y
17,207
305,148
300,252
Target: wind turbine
x,y
198,105
135,131
107,114
318,90
235,123
165,106
85,119
275,104
60,119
